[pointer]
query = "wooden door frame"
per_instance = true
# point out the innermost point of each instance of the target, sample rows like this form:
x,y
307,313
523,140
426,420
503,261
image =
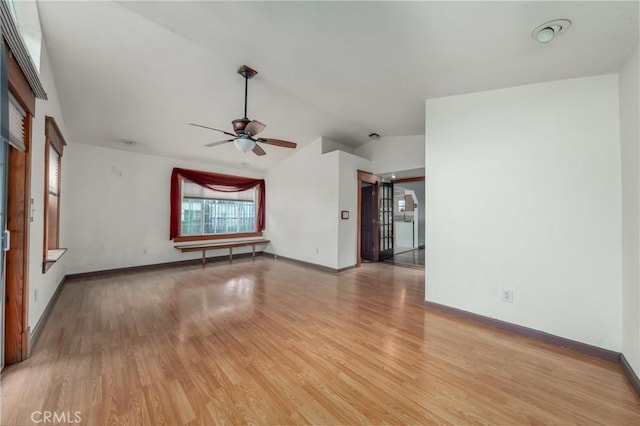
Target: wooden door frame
x,y
409,179
366,177
17,331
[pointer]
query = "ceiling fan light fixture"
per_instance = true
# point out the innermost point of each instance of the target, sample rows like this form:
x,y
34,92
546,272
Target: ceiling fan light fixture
x,y
244,144
549,30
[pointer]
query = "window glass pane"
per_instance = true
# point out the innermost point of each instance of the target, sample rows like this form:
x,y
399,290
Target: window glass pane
x,y
207,212
54,167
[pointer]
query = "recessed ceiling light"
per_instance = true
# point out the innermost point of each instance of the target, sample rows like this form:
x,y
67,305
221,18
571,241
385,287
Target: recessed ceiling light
x,y
549,30
393,176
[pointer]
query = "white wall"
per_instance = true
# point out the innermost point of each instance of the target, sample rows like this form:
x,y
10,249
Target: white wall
x,y
391,154
523,192
117,208
630,142
302,206
306,193
329,145
348,200
44,285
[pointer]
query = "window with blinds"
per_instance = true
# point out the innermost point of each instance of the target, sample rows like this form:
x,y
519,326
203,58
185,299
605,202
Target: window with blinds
x,y
55,144
16,124
53,199
54,170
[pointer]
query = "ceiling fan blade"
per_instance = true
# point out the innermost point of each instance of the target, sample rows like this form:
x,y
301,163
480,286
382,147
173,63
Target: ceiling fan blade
x,y
278,142
219,142
212,128
257,150
254,128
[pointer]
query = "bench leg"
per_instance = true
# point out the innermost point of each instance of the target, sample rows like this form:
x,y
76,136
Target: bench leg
x,y
204,257
230,254
253,248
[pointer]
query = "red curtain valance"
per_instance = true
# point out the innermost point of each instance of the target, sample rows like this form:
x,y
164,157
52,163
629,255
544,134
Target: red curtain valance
x,y
216,182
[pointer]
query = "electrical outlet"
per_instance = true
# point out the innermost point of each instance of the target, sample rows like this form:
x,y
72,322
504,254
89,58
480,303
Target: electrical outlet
x,y
507,295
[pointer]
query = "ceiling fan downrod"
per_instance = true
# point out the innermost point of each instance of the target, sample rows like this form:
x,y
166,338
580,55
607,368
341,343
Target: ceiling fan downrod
x,y
247,73
246,91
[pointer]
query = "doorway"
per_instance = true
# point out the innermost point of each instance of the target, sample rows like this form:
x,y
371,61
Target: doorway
x,y
375,218
368,224
409,219
18,107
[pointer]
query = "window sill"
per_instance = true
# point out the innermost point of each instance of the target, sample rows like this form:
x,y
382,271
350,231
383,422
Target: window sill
x,y
52,257
181,239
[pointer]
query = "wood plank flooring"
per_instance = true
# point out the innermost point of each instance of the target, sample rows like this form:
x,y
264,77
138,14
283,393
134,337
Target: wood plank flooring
x,y
273,342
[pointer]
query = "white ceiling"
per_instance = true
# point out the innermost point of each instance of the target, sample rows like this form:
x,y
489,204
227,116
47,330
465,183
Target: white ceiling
x,y
142,70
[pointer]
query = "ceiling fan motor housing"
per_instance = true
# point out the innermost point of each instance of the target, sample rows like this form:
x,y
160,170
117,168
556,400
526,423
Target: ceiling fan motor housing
x,y
239,124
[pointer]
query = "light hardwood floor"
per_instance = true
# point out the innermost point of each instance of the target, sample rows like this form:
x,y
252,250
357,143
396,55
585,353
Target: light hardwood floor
x,y
273,342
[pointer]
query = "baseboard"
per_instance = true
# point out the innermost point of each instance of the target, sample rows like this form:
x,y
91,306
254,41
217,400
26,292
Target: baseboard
x,y
584,348
346,268
33,336
156,266
631,375
309,264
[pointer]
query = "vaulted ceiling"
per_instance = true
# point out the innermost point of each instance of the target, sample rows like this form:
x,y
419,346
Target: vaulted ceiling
x,y
142,70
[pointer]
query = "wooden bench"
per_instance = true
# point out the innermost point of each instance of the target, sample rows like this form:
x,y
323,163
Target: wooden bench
x,y
215,246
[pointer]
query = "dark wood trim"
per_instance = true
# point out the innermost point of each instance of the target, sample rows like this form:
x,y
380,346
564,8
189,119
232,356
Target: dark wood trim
x,y
375,180
631,375
18,222
152,267
18,84
409,179
53,133
368,177
33,336
53,138
48,264
26,219
180,239
584,348
308,264
17,258
358,225
45,207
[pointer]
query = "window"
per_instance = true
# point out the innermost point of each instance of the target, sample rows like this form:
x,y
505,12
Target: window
x,y
53,195
54,145
207,212
210,206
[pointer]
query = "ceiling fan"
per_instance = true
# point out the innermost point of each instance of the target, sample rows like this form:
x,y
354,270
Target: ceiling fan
x,y
246,129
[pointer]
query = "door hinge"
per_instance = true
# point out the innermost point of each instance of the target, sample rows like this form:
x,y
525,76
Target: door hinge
x,y
6,240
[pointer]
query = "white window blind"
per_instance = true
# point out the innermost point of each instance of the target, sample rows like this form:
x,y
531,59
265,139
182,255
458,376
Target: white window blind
x,y
54,168
16,124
